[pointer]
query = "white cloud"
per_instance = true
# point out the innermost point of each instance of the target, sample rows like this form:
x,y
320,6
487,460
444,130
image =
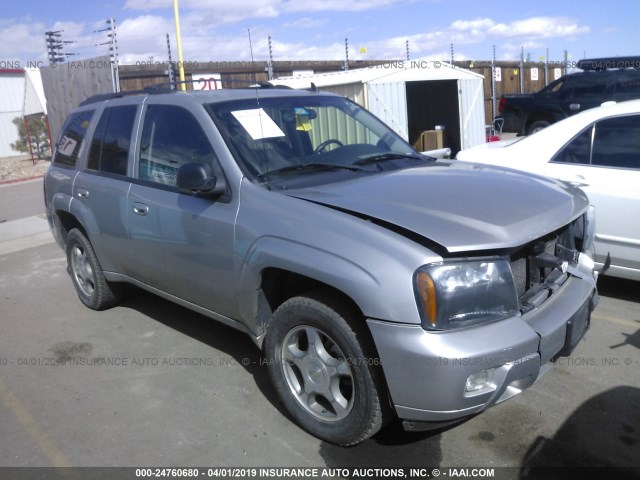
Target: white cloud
x,y
22,39
477,24
306,22
226,12
540,27
533,27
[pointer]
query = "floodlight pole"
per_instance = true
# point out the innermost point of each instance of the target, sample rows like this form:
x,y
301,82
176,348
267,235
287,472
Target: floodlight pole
x,y
176,17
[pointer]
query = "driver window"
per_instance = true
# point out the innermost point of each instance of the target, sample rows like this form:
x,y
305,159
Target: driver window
x,y
171,137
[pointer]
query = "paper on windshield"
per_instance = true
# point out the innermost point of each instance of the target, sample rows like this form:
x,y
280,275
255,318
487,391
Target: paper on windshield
x,y
257,123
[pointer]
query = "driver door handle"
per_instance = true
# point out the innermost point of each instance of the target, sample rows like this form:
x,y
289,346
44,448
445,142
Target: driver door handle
x,y
575,180
140,209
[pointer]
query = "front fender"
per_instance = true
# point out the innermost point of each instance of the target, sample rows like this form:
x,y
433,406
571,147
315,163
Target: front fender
x,y
364,287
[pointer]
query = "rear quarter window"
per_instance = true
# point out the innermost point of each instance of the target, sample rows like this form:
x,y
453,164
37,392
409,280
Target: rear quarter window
x,y
73,132
111,140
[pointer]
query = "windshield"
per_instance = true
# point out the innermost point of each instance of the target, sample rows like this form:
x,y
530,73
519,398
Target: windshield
x,y
288,136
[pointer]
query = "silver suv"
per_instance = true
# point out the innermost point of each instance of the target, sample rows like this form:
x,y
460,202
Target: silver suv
x,y
379,283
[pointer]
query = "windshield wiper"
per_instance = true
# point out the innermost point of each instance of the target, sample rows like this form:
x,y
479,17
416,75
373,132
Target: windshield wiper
x,y
318,167
382,157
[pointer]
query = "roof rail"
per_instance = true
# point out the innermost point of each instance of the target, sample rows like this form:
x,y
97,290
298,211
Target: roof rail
x,y
153,89
250,83
608,63
170,87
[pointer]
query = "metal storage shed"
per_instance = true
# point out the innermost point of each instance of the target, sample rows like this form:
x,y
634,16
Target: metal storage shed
x,y
21,95
412,97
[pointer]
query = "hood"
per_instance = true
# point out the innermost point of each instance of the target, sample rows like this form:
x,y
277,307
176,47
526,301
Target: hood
x,y
462,207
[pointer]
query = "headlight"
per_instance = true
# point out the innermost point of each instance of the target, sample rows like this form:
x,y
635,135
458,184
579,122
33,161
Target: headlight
x,y
464,293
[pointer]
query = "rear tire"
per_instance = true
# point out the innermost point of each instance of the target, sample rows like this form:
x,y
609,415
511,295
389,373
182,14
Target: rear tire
x,y
322,365
86,274
537,126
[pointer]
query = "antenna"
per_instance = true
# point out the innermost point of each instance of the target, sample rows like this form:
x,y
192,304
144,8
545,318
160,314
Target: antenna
x,y
253,65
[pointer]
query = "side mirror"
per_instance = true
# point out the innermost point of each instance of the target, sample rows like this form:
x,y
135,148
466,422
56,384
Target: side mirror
x,y
198,179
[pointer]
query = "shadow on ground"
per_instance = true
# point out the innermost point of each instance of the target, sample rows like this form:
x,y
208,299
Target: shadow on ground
x,y
600,440
391,448
237,345
619,288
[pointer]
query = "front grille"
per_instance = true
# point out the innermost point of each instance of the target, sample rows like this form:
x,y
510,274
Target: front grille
x,y
519,270
529,276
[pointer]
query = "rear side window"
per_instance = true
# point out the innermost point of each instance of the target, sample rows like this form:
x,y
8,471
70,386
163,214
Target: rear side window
x,y
111,140
616,142
628,85
612,142
73,132
577,150
590,86
171,137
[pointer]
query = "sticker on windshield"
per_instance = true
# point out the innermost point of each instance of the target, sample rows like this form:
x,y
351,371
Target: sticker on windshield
x,y
258,124
302,119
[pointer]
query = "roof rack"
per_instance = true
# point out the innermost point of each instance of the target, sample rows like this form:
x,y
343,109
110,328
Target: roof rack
x,y
153,89
170,87
608,63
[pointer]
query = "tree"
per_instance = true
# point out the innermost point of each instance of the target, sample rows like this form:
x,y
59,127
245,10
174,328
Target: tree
x,y
37,132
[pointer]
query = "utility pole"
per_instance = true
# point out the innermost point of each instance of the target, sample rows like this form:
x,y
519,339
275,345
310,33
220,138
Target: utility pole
x,y
494,102
113,54
407,46
170,71
546,69
346,52
55,46
113,51
521,69
452,57
270,64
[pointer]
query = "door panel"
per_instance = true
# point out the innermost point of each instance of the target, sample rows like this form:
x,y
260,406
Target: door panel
x,y
183,245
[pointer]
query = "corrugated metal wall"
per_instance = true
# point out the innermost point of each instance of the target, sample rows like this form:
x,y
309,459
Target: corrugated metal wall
x,y
70,83
11,100
330,123
353,91
388,101
472,113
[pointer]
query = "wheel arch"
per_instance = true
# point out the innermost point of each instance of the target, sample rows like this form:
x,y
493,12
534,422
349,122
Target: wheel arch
x,y
542,115
276,269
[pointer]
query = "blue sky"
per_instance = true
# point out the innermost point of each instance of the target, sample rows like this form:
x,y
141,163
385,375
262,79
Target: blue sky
x,y
316,30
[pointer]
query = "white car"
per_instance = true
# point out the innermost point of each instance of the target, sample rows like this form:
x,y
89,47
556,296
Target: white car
x,y
598,150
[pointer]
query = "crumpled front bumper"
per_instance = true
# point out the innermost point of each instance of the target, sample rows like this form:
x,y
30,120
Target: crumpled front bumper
x,y
427,372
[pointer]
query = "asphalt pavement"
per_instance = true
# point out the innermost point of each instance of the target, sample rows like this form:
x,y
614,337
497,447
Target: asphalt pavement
x,y
148,383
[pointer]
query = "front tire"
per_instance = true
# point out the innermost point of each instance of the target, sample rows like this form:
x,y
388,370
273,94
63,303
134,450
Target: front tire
x,y
86,274
321,361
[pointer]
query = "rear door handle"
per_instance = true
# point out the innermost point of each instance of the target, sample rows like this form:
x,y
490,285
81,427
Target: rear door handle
x,y
81,193
574,106
140,209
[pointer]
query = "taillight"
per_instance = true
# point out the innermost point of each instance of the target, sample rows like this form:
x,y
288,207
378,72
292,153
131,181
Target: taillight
x,y
503,102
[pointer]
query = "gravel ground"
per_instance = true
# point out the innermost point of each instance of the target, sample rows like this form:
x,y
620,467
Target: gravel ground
x,y
17,168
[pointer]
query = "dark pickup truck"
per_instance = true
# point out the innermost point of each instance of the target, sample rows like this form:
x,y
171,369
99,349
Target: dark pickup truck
x,y
601,80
